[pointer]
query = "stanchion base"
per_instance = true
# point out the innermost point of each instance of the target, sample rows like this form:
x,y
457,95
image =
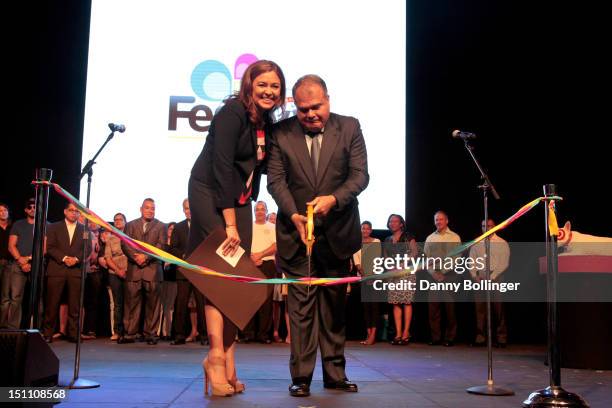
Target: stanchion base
x,y
80,384
489,390
554,397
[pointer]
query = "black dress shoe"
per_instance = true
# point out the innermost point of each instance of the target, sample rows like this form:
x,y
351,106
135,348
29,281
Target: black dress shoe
x,y
125,340
299,390
48,339
204,341
151,341
344,385
499,345
434,343
449,343
478,344
177,342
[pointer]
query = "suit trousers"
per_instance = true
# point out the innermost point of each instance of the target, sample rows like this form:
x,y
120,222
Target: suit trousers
x,y
436,300
116,285
497,316
93,291
260,325
317,315
184,288
55,287
133,297
167,298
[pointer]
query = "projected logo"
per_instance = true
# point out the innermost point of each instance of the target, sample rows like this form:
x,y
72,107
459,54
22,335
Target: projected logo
x,y
212,81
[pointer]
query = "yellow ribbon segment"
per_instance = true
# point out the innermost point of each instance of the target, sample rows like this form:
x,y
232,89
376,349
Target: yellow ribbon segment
x,y
553,227
309,228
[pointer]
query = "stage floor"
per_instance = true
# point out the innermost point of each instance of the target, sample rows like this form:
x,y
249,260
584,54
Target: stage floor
x,y
417,375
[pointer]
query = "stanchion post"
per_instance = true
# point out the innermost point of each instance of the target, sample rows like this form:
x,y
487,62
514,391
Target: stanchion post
x,y
553,395
40,231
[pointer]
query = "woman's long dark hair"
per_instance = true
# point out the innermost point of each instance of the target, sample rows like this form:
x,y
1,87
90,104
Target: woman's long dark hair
x,y
405,236
245,94
401,220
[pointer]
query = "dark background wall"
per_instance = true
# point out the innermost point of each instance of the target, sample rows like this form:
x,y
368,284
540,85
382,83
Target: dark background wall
x,y
527,77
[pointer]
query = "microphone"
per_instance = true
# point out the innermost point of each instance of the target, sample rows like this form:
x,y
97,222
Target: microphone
x,y
457,134
116,128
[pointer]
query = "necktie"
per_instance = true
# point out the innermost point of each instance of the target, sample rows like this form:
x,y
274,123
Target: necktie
x,y
144,227
315,150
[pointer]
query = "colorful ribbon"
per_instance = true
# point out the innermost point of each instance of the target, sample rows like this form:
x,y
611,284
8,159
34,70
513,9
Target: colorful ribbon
x,y
164,256
552,223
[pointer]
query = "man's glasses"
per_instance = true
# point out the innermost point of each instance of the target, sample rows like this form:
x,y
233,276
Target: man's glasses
x,y
31,206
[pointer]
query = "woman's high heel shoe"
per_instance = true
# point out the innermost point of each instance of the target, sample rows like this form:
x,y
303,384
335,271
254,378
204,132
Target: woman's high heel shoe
x,y
238,386
218,389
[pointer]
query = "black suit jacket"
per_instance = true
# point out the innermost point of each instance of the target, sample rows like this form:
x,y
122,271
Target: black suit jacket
x,y
179,242
343,172
229,155
155,235
59,246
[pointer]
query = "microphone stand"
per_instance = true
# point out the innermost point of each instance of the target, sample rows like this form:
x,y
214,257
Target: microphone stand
x,y
82,383
490,388
89,166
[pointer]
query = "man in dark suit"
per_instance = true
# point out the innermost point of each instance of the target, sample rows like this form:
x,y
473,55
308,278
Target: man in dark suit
x,y
178,248
317,157
144,274
65,252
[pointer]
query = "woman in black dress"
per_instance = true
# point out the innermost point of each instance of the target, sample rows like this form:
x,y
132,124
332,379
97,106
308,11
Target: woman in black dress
x,y
224,180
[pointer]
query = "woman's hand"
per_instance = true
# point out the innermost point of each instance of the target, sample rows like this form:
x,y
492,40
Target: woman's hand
x,y
232,242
